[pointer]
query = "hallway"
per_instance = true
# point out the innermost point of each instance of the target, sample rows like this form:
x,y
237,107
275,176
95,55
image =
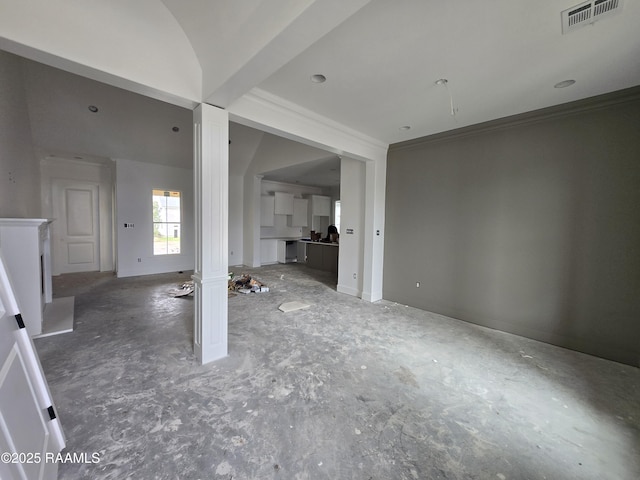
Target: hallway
x,y
342,390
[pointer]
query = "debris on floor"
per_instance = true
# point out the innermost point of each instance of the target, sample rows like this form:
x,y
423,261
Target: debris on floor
x,y
242,284
185,289
291,306
247,284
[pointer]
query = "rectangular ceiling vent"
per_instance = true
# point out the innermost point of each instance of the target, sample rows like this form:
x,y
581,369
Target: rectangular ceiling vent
x,y
587,13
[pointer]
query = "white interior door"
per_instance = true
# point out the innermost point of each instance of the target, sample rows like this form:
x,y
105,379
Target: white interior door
x,y
76,227
30,434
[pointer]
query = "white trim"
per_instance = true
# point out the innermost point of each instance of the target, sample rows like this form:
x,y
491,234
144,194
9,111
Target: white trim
x,y
274,114
374,222
354,292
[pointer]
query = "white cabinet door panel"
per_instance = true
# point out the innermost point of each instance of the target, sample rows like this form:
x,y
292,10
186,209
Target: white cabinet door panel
x,y
299,217
284,203
267,218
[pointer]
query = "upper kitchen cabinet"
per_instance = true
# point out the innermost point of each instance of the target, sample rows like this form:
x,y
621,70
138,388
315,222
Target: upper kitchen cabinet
x,y
300,212
320,205
284,203
319,213
267,210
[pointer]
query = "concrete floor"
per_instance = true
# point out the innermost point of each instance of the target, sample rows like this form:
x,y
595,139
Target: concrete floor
x,y
343,390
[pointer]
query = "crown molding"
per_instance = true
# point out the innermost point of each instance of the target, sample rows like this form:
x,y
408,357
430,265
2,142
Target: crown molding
x,y
577,107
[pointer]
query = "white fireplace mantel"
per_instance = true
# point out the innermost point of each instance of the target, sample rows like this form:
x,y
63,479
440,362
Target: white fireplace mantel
x,y
26,249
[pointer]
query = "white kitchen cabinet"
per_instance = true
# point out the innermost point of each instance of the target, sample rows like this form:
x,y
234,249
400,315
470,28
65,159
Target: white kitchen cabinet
x,y
283,203
320,206
268,251
319,213
267,210
300,212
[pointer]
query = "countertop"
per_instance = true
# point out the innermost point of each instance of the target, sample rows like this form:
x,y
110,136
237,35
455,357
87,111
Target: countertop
x,y
286,239
328,244
301,240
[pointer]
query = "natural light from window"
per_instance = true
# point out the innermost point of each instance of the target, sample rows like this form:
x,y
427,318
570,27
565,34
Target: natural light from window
x,y
336,215
166,222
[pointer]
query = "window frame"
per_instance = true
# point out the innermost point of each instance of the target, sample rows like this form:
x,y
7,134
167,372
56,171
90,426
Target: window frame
x,y
154,223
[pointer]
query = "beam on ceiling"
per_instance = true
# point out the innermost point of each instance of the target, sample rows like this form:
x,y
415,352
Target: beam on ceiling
x,y
313,23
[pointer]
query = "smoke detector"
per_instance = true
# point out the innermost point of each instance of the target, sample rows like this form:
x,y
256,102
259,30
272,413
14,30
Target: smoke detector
x,y
587,13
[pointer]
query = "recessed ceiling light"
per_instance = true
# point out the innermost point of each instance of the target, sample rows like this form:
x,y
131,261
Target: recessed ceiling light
x,y
442,81
564,83
404,128
318,78
176,129
93,109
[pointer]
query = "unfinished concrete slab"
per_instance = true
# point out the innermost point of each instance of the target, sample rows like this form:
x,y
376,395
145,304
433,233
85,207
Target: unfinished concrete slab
x,y
345,390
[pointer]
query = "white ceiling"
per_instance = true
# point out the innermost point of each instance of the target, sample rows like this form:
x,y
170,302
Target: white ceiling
x,y
381,59
126,126
132,126
501,58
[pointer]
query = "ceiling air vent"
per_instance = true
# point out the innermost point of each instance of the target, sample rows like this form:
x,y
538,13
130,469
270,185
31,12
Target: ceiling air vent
x,y
588,12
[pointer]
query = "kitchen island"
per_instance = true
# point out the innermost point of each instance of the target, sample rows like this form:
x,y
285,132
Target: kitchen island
x,y
319,255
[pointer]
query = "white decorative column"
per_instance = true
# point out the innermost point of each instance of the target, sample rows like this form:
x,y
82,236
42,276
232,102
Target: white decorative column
x,y
376,181
211,173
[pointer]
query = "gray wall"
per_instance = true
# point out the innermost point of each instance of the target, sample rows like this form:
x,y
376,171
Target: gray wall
x,y
19,168
530,226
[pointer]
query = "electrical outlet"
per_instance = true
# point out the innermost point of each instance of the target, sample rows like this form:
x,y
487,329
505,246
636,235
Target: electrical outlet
x,y
355,276
139,260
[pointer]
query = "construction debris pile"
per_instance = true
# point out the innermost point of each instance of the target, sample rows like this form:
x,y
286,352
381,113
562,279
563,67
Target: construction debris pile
x,y
242,284
246,284
185,289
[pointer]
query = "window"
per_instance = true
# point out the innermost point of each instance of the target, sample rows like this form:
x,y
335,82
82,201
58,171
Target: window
x,y
166,222
336,215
